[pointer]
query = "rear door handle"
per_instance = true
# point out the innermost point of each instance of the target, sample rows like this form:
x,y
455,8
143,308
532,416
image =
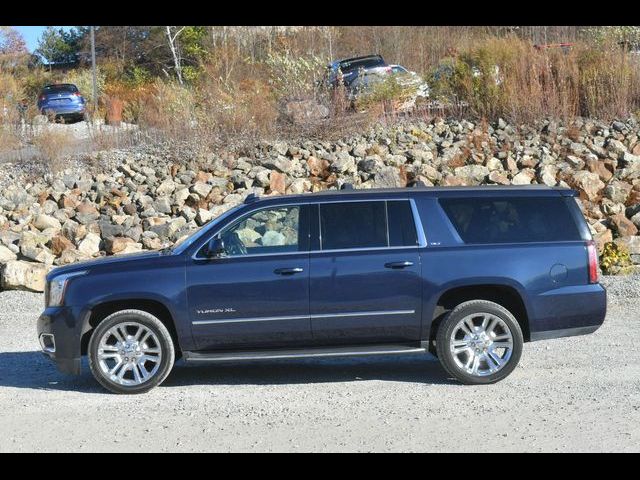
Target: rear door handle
x,y
398,264
288,271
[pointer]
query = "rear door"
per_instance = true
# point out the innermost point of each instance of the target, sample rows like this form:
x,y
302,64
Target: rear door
x,y
365,284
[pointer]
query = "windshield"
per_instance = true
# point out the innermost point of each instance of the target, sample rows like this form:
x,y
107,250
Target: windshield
x,y
181,246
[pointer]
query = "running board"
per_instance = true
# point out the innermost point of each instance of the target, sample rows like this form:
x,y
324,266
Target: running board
x,y
301,353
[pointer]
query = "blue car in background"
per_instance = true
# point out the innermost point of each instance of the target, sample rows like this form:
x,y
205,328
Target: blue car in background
x,y
62,101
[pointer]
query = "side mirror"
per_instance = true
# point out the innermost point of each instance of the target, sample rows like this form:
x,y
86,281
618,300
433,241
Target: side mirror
x,y
215,247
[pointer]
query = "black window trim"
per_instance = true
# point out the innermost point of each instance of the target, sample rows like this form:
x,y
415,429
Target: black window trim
x,y
422,241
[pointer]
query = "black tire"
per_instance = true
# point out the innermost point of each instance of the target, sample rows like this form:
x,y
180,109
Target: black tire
x,y
446,329
165,344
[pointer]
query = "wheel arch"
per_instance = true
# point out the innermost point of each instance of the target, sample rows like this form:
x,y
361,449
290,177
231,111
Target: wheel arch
x,y
503,294
155,307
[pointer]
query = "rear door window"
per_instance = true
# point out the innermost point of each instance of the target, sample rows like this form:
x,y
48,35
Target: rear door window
x,y
511,220
369,224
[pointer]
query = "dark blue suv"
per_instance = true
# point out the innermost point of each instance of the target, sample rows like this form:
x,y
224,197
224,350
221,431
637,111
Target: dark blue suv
x,y
466,273
62,100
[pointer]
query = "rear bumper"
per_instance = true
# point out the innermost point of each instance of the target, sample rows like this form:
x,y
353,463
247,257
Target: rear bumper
x,y
59,331
78,109
568,311
564,332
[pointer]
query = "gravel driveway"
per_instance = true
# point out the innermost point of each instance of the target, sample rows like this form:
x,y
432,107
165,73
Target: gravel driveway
x,y
574,394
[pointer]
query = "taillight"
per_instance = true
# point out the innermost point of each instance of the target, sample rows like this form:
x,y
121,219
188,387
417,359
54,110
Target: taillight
x,y
592,252
43,97
77,94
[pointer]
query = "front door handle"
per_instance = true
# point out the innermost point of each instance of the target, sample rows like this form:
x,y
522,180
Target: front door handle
x,y
398,264
288,271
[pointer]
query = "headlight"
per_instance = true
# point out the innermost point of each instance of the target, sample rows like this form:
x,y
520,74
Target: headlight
x,y
57,287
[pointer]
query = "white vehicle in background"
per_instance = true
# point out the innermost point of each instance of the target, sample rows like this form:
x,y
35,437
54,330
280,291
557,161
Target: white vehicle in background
x,y
409,78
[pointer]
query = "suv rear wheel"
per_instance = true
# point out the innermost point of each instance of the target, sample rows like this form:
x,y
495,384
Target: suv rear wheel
x,y
131,351
479,342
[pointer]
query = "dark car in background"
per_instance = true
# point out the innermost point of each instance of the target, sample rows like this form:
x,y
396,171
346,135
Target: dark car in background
x,y
62,101
466,273
348,69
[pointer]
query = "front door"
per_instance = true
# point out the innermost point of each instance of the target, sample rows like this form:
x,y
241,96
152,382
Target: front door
x,y
257,293
366,279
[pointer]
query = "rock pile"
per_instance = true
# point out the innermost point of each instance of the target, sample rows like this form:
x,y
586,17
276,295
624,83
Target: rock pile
x,y
149,201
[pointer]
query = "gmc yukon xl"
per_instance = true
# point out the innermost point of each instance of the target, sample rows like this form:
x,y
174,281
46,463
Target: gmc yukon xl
x,y
466,273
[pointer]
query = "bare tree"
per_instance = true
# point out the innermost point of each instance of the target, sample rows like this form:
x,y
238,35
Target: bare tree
x,y
175,51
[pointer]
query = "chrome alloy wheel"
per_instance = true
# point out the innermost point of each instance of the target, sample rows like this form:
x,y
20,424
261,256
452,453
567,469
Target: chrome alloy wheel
x,y
481,344
129,354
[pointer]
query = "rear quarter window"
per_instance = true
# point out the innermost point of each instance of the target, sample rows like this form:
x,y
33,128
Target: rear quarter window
x,y
511,220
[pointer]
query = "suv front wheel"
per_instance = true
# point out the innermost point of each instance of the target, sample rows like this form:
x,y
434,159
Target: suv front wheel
x,y
479,342
131,351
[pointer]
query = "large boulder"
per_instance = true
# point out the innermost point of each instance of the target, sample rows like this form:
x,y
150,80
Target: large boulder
x,y
588,183
390,177
21,275
90,245
472,173
623,226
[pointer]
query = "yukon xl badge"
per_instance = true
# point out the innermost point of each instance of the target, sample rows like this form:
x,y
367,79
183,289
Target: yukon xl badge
x,y
215,310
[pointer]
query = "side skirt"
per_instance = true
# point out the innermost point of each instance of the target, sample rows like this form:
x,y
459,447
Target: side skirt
x,y
202,357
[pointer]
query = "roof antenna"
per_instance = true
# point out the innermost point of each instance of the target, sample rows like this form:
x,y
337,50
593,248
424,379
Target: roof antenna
x,y
346,186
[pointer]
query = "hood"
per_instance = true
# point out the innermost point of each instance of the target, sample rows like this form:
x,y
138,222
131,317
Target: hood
x,y
91,264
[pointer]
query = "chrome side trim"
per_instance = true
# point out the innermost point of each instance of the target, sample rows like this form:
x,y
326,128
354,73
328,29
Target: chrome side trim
x,y
251,319
364,314
305,317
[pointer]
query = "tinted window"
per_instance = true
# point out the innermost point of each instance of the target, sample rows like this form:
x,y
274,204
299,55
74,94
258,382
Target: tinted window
x,y
60,89
402,228
362,63
271,230
353,225
364,225
506,220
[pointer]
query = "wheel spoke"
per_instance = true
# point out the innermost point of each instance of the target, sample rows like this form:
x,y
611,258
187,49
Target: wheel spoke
x,y
476,365
143,370
116,333
499,338
136,373
116,367
492,325
106,356
493,358
501,345
109,348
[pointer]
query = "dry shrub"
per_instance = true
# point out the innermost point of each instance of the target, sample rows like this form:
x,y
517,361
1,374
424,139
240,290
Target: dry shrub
x,y
508,77
52,145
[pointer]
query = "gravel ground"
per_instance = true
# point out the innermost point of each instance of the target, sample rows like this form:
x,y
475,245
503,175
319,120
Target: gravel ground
x,y
573,394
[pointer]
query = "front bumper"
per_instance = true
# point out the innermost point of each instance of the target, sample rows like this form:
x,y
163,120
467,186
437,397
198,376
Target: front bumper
x,y
59,331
